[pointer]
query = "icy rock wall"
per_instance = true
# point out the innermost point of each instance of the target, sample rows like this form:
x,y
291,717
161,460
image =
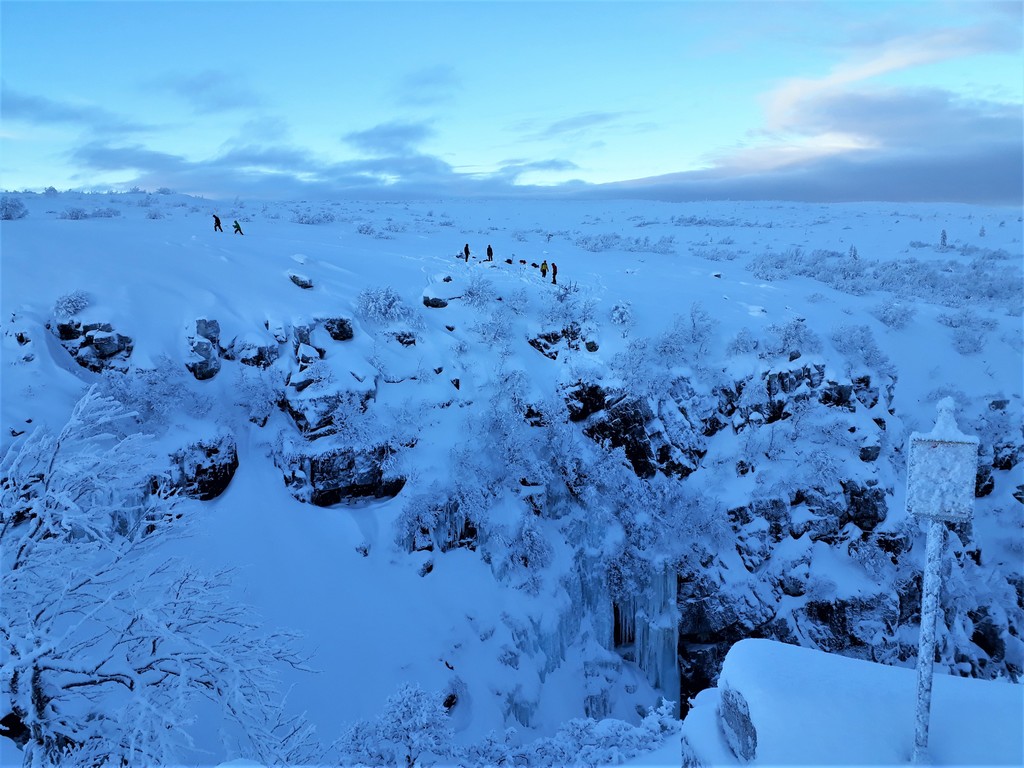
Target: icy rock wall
x,y
657,632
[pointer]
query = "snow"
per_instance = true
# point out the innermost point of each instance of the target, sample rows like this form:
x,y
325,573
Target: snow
x,y
813,708
369,618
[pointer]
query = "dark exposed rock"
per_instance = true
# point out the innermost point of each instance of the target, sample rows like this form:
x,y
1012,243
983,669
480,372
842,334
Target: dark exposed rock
x,y
987,634
584,400
736,725
95,346
870,453
252,353
625,426
842,625
838,395
205,362
339,328
1005,456
338,474
867,395
865,505
405,338
545,344
984,483
205,468
1018,494
300,280
72,329
591,346
434,303
208,329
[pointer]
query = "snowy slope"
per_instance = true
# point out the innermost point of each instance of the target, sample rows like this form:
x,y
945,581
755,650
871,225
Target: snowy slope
x,y
518,646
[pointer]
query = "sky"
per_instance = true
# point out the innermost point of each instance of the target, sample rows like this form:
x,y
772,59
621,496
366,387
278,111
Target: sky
x,y
816,101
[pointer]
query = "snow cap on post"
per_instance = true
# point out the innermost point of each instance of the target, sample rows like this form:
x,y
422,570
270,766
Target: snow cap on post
x,y
941,470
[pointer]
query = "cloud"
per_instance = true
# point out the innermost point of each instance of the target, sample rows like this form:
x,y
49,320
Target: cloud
x,y
429,86
512,170
211,91
101,156
45,111
882,58
390,138
571,127
988,174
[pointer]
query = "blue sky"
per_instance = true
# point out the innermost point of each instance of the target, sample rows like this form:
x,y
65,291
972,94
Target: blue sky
x,y
677,100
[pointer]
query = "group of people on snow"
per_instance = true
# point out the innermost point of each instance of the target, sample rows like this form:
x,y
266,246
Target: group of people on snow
x,y
465,251
217,228
543,265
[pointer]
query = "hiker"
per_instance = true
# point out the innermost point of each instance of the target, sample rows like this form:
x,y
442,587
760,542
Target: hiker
x,y
544,268
465,251
216,223
554,273
490,253
238,228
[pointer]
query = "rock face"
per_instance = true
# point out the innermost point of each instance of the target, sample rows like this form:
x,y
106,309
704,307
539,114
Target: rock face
x,y
335,475
204,469
95,346
737,727
205,348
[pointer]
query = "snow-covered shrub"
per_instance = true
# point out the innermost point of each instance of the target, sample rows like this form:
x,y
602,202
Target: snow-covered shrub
x,y
479,291
894,313
382,305
579,742
794,336
969,341
857,344
743,343
622,316
530,550
74,214
257,391
310,217
413,730
12,208
71,304
688,337
366,228
154,213
612,241
157,393
105,213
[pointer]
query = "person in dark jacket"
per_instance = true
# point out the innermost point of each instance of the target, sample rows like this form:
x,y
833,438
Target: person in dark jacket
x,y
238,228
554,273
490,253
216,223
465,252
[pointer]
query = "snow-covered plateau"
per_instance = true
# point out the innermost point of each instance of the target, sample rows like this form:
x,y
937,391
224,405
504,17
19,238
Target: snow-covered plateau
x,y
333,492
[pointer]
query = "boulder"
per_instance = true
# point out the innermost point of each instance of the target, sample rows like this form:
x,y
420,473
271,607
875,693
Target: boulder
x,y
95,346
339,328
204,469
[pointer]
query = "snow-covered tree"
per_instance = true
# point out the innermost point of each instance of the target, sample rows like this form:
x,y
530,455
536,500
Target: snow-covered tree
x,y
107,643
413,730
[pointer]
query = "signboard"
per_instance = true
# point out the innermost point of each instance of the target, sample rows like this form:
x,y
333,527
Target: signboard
x,y
941,470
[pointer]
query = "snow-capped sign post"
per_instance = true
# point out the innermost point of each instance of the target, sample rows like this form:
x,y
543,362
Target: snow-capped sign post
x,y
941,469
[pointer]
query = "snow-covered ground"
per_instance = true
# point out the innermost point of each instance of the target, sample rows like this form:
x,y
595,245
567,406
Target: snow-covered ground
x,y
927,294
